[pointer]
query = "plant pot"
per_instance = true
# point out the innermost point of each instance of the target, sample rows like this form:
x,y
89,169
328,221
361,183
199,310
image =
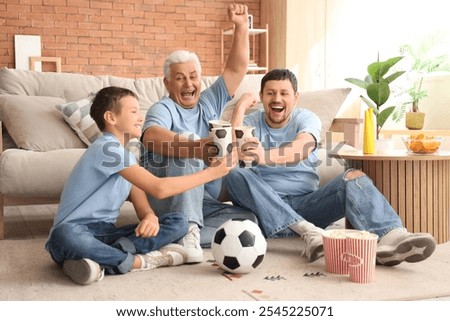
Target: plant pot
x,y
414,120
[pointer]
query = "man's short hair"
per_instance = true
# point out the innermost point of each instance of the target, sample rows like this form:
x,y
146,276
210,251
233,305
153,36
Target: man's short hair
x,y
280,74
180,56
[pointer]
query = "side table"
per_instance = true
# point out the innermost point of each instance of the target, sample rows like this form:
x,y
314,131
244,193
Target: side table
x,y
417,186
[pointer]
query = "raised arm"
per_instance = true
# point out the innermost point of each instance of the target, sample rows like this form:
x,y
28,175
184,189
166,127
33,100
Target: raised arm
x,y
237,62
245,102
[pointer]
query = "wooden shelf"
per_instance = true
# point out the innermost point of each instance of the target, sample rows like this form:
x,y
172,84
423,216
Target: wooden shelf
x,y
253,34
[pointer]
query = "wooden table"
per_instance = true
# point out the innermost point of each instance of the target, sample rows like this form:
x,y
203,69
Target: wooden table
x,y
417,186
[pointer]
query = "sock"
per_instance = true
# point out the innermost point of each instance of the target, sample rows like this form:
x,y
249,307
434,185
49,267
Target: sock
x,y
143,262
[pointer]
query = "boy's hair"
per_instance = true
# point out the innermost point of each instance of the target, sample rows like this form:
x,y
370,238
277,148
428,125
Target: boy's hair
x,y
280,74
107,99
180,56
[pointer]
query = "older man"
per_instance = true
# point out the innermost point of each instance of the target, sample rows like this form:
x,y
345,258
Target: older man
x,y
175,134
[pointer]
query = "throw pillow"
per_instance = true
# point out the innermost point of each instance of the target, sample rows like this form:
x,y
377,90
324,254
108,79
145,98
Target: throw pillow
x,y
325,103
34,124
76,114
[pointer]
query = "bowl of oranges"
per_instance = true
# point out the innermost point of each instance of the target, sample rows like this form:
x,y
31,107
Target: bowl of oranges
x,y
422,144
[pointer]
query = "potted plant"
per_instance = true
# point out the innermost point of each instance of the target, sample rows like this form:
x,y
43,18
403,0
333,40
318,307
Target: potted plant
x,y
377,86
424,58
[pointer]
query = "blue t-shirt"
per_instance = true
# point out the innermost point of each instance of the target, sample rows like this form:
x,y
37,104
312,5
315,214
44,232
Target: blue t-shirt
x,y
168,114
192,122
290,179
95,191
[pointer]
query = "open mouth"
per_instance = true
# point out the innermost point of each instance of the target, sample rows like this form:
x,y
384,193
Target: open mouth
x,y
277,109
188,94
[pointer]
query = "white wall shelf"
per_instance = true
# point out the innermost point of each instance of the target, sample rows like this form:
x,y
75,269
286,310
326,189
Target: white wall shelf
x,y
256,64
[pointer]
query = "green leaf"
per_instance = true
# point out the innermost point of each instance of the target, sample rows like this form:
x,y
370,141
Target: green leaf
x,y
378,69
370,104
394,76
357,82
368,79
374,71
399,112
379,92
384,115
392,61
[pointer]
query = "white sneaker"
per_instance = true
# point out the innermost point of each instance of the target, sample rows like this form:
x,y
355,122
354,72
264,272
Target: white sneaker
x,y
314,244
84,271
169,255
398,246
191,243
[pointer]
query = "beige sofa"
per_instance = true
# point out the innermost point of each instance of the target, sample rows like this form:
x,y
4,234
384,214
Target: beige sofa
x,y
40,144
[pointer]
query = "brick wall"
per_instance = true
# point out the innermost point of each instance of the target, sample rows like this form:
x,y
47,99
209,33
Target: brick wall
x,y
126,38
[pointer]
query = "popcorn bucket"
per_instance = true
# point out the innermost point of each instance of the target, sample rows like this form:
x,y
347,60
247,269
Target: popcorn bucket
x,y
360,255
350,252
334,248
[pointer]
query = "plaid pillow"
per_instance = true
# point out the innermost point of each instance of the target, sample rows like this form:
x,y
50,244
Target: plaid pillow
x,y
76,114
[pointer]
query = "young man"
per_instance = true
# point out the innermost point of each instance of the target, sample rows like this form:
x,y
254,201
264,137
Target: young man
x,y
175,134
283,189
84,239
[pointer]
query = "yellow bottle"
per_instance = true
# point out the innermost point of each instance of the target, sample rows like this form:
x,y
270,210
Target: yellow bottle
x,y
369,132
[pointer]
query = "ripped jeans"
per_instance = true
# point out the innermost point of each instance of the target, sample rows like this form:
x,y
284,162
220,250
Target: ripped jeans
x,y
356,199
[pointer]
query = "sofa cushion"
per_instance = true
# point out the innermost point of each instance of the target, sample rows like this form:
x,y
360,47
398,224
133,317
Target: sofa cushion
x,y
68,86
76,114
36,174
35,124
325,103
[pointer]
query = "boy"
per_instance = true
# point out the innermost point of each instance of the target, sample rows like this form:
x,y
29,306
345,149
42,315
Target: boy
x,y
84,239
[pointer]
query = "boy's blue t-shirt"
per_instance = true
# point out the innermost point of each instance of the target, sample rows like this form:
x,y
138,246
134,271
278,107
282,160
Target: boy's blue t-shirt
x,y
290,179
95,190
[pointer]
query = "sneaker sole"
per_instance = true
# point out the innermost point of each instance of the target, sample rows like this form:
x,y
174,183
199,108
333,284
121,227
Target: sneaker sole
x,y
411,250
80,271
194,259
316,253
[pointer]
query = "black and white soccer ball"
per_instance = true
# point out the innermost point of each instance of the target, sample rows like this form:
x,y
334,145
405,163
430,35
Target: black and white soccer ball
x,y
238,246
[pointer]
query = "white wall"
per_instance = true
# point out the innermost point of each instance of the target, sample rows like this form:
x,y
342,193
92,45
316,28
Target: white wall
x,y
357,30
325,41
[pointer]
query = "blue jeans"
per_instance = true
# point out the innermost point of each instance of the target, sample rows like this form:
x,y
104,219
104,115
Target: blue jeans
x,y
112,247
356,199
196,204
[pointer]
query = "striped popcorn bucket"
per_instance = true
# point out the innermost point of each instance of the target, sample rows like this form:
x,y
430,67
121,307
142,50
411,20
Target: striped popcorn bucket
x,y
360,255
334,248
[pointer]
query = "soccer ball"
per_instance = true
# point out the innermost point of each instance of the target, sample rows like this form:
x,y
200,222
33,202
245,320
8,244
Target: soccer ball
x,y
238,246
